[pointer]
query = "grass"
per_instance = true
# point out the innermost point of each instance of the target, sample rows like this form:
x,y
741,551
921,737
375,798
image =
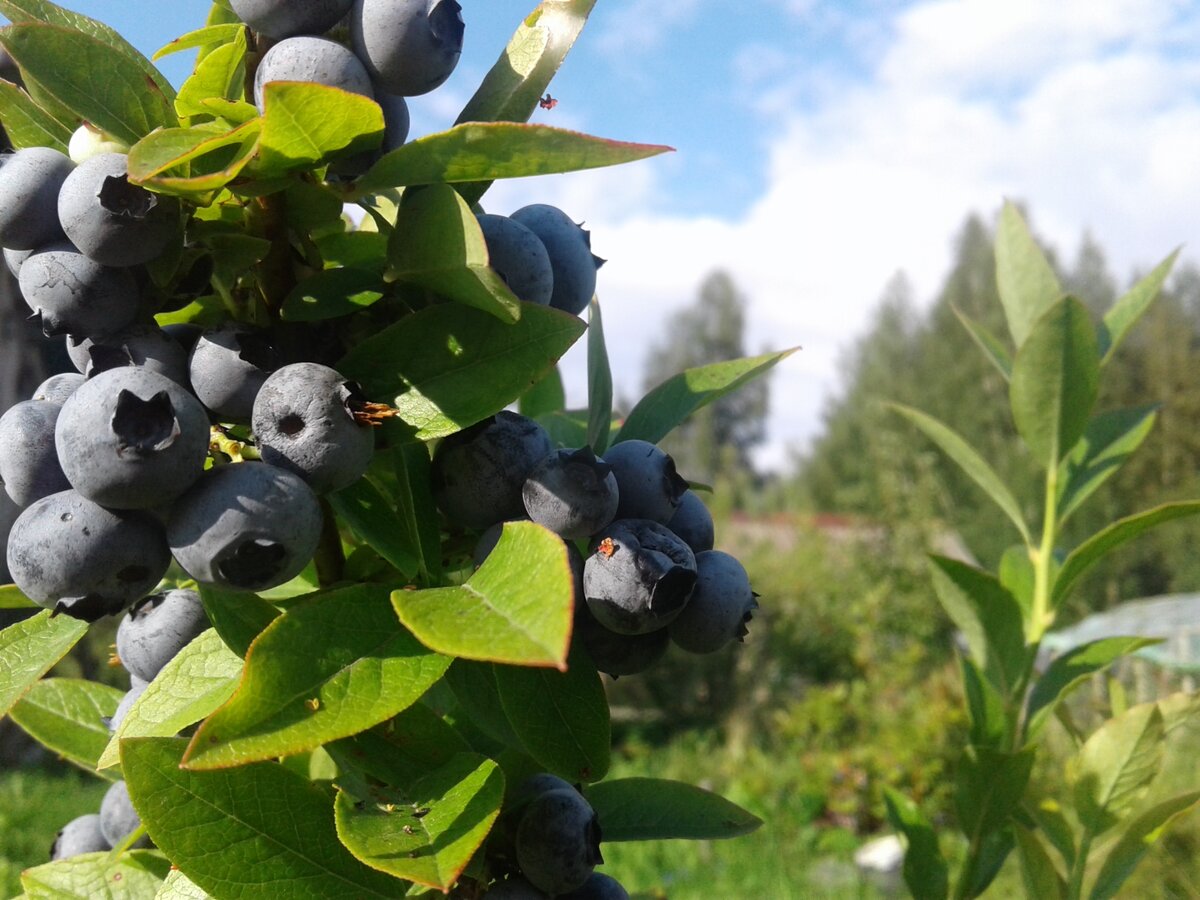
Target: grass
x,y
34,805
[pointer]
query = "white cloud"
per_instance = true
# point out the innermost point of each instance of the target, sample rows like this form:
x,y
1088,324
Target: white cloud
x,y
641,25
1084,109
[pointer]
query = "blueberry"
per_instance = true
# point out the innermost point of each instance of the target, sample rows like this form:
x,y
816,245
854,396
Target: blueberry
x,y
14,259
569,248
156,628
649,486
130,438
720,608
638,576
312,59
30,180
519,257
598,887
693,522
478,473
227,367
118,818
304,421
137,687
410,46
245,526
80,835
29,468
57,388
571,492
8,514
68,554
515,888
617,654
75,294
280,19
111,220
558,841
142,344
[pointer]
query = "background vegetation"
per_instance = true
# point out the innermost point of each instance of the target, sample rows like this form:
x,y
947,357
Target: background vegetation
x,y
848,681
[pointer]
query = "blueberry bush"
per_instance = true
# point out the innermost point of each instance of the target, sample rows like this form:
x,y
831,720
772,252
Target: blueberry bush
x,y
364,603
1083,833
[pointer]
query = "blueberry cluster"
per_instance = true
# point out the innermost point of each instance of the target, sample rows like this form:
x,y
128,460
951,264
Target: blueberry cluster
x,y
115,478
103,830
552,842
650,576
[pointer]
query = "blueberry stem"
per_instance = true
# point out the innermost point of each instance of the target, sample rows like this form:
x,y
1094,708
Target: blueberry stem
x,y
330,559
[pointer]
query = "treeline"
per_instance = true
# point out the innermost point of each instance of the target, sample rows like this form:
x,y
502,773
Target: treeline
x,y
870,462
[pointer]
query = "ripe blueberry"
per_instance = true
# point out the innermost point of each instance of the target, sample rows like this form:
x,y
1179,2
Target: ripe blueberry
x,y
569,248
410,46
720,608
29,467
519,257
156,628
118,818
693,522
558,841
227,367
649,486
313,59
80,835
281,19
638,576
571,492
30,180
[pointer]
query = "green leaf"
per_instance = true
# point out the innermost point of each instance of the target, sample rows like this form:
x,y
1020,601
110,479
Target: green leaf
x,y
27,124
194,163
488,151
1069,671
12,598
1092,550
305,124
561,718
475,688
989,789
600,387
516,608
970,462
1124,314
197,680
925,870
545,397
331,293
370,515
1116,765
989,617
28,650
429,833
1052,821
412,491
655,809
93,80
438,245
1016,573
982,870
985,706
22,11
449,366
656,414
221,74
201,37
402,750
511,89
1109,440
237,617
133,875
1055,379
179,887
1141,833
325,669
567,427
1028,286
67,716
995,351
1038,873
243,832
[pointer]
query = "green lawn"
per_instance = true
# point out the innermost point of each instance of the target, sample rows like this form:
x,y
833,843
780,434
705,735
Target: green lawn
x,y
33,805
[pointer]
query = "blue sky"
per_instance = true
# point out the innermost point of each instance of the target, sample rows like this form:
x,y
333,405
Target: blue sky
x,y
822,146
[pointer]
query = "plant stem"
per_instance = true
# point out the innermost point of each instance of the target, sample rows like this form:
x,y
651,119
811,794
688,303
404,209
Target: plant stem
x,y
1041,616
1079,869
329,559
